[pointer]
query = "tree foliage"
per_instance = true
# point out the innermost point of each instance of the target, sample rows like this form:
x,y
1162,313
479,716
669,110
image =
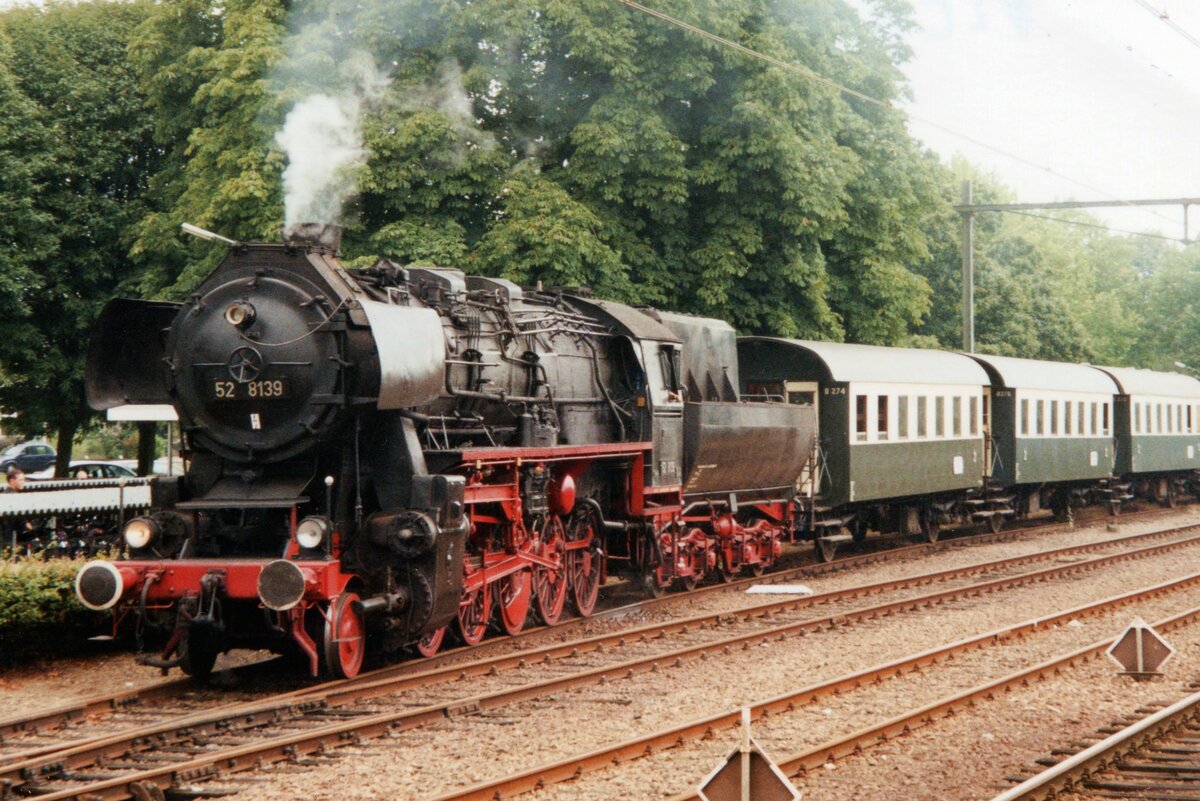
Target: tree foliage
x,y
571,142
86,163
575,142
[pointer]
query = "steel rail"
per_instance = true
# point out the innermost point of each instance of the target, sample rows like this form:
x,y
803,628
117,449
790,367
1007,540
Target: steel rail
x,y
833,750
411,675
572,767
96,705
1071,772
375,724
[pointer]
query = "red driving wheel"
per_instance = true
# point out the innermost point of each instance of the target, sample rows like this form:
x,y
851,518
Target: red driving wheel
x,y
431,643
514,594
550,584
474,609
584,564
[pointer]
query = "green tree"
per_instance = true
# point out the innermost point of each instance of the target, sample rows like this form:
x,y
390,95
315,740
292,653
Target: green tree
x,y
204,69
94,156
1044,288
569,141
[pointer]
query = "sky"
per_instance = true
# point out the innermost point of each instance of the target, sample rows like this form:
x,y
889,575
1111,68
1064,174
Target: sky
x,y
1101,95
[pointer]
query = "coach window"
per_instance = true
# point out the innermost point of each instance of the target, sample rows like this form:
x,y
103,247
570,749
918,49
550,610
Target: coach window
x,y
1171,419
973,413
1095,418
1067,418
1024,416
939,416
1189,419
1080,419
860,417
1158,419
1137,418
902,417
882,417
1147,428
922,416
1041,417
956,412
1053,417
1106,419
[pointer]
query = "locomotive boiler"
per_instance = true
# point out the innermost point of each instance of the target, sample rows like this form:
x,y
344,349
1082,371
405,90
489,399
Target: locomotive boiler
x,y
382,456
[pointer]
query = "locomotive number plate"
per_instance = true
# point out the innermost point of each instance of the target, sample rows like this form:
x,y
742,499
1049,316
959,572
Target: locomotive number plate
x,y
250,390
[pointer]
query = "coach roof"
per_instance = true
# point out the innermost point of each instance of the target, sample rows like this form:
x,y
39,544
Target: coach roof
x,y
1133,381
846,362
1015,373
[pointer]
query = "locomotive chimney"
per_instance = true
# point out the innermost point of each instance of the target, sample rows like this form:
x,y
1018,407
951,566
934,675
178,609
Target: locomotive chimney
x,y
313,235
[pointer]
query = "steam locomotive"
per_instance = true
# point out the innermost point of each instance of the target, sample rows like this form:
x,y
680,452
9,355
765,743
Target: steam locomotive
x,y
379,457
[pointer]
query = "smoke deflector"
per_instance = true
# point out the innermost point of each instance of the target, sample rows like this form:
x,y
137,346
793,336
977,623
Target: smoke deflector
x,y
412,353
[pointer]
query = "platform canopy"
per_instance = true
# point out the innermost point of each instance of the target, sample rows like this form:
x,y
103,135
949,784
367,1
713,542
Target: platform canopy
x,y
870,363
1014,373
1135,381
143,413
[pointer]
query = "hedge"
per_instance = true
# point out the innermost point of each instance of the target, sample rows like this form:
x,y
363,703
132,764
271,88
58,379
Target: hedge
x,y
39,613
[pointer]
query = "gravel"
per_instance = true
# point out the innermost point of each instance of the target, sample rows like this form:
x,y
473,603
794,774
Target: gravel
x,y
461,751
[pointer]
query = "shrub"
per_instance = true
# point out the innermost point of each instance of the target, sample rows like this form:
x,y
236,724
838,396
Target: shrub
x,y
39,613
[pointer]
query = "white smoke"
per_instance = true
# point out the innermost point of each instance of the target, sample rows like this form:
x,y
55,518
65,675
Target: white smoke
x,y
322,137
323,142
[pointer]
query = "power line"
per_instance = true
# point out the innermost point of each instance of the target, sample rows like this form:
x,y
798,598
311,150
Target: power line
x,y
1166,18
1083,224
805,72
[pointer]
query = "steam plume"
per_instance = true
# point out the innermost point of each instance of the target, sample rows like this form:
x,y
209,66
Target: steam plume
x,y
323,142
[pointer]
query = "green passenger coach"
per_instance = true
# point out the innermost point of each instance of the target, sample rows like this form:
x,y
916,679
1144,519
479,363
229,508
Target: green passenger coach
x,y
898,427
1156,426
1051,424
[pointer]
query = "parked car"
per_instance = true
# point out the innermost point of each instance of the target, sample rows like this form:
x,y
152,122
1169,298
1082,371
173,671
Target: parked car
x,y
30,457
100,470
92,469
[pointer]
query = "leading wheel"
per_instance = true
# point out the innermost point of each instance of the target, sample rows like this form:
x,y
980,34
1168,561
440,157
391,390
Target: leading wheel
x,y
431,643
198,652
345,638
550,584
474,609
513,595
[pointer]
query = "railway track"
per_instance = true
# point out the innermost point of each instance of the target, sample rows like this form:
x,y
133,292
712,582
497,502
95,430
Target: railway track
x,y
564,770
164,699
210,744
1155,754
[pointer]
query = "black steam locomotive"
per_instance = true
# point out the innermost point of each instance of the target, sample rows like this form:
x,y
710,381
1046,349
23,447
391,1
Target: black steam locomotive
x,y
379,456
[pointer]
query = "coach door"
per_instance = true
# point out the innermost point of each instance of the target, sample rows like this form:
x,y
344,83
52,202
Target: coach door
x,y
805,393
987,432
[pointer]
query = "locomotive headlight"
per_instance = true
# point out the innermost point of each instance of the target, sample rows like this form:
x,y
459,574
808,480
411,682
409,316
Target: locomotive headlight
x,y
140,532
312,532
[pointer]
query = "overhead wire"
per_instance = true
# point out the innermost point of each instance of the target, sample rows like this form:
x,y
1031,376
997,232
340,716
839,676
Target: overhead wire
x,y
846,90
1166,18
1085,224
